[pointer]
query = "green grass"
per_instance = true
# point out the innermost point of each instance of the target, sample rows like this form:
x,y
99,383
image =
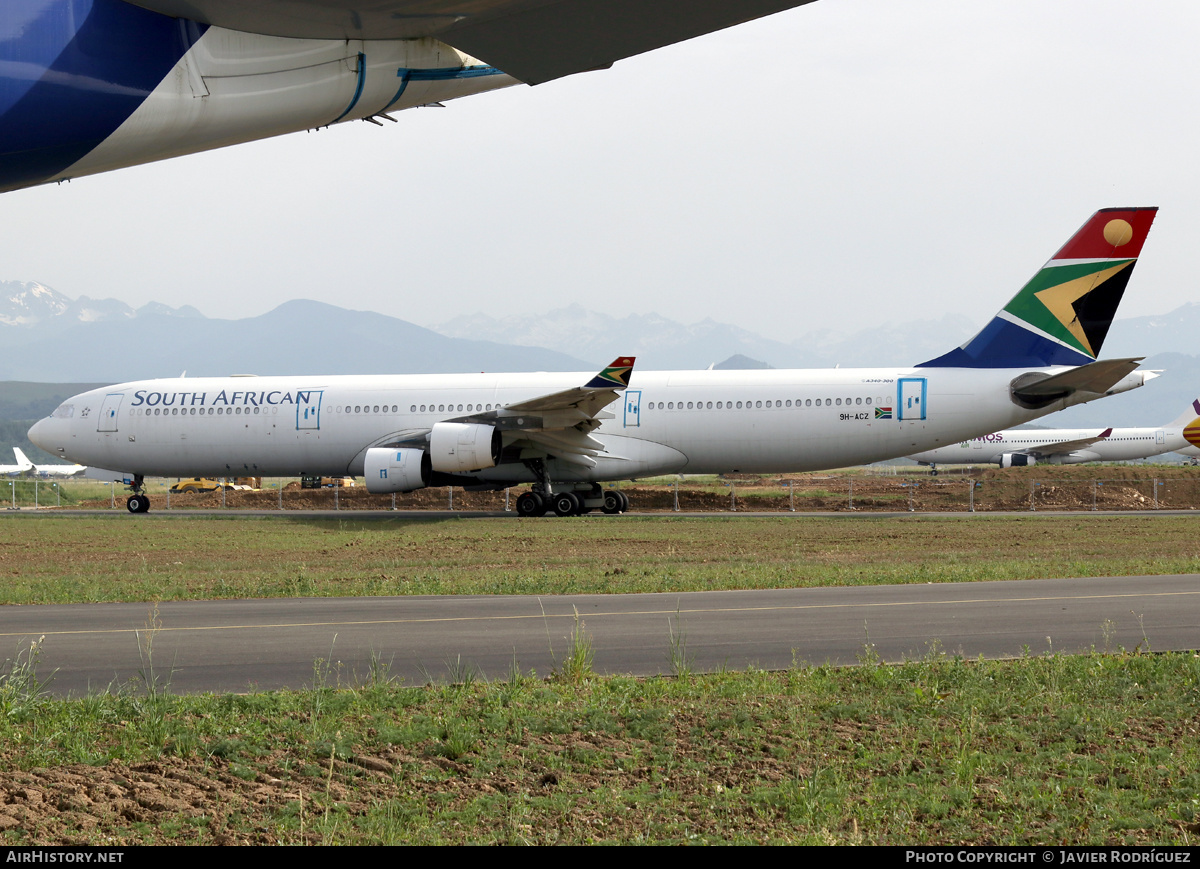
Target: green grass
x,y
1094,749
146,558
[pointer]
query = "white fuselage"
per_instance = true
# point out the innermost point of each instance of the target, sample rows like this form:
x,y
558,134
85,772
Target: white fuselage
x,y
665,422
1122,445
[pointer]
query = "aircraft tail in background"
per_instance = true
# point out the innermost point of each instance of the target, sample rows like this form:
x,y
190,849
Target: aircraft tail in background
x,y
1062,315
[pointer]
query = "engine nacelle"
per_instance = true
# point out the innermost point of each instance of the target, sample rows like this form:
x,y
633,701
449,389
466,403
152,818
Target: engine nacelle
x,y
395,470
462,447
1016,460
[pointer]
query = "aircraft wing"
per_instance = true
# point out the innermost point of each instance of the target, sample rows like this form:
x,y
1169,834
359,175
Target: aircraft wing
x,y
532,40
560,423
1063,448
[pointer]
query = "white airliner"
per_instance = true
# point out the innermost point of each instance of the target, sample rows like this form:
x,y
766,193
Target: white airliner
x,y
92,85
22,466
403,432
51,471
1017,448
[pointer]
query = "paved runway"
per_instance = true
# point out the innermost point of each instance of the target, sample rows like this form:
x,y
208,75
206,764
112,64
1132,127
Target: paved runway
x,y
266,644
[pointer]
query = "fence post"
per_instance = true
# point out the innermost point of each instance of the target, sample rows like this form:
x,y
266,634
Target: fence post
x,y
791,497
451,488
36,505
112,496
1032,506
281,494
850,500
1093,496
971,499
168,497
224,483
393,501
506,490
732,499
911,487
676,507
1155,493
336,504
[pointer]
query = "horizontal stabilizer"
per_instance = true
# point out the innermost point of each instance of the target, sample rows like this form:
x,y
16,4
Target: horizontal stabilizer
x,y
1095,378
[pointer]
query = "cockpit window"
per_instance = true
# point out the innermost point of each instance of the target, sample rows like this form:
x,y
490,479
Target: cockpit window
x,y
64,411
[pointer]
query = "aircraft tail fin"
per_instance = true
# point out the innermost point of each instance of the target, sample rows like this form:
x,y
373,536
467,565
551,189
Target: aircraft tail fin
x,y
1189,421
1191,416
21,459
1062,315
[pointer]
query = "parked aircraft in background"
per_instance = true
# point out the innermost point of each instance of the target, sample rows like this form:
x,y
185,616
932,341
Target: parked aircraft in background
x,y
51,471
404,432
92,85
1019,447
23,465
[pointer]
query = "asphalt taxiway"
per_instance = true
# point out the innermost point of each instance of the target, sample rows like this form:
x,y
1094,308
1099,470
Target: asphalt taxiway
x,y
240,645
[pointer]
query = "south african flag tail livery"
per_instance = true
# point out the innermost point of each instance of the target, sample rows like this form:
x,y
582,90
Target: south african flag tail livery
x,y
1062,315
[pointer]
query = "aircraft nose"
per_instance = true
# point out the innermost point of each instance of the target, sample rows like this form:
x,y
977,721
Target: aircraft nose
x,y
43,434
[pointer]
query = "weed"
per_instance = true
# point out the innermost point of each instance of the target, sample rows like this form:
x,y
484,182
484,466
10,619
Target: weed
x,y
577,665
21,691
463,674
153,682
681,660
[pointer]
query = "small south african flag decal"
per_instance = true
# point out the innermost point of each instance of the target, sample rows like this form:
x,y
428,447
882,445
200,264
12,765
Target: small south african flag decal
x,y
883,413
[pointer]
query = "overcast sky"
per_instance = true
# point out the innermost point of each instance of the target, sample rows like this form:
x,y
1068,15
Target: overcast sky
x,y
845,164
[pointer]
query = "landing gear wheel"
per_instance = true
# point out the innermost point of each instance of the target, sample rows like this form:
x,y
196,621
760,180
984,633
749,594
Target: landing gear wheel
x,y
138,504
613,502
567,504
531,504
624,502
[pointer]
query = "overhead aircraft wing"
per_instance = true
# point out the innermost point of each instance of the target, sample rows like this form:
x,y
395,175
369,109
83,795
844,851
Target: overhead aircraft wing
x,y
532,40
1063,448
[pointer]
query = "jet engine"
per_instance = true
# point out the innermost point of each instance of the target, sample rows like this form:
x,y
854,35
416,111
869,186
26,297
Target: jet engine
x,y
1016,460
459,447
395,470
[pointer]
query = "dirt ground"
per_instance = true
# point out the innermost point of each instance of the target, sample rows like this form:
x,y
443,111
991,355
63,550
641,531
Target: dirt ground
x,y
1079,487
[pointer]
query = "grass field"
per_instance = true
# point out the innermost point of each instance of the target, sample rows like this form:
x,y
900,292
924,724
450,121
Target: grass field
x,y
1067,750
147,558
1100,748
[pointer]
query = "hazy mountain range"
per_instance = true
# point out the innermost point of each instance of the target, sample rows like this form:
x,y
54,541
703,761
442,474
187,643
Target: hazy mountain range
x,y
46,336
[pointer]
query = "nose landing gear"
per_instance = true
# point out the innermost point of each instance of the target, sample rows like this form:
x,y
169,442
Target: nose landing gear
x,y
139,501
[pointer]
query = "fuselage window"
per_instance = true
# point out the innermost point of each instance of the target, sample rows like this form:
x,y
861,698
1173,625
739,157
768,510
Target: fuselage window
x,y
868,399
758,404
839,402
689,405
739,405
413,409
670,405
441,408
710,405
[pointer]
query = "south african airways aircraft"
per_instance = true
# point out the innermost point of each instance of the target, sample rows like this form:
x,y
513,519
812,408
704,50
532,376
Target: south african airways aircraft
x,y
557,431
92,85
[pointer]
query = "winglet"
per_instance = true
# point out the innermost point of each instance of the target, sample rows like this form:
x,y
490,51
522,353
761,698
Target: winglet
x,y
614,376
1061,317
1106,433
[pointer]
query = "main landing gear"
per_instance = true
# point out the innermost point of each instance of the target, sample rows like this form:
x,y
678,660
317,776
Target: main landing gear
x,y
567,502
139,501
